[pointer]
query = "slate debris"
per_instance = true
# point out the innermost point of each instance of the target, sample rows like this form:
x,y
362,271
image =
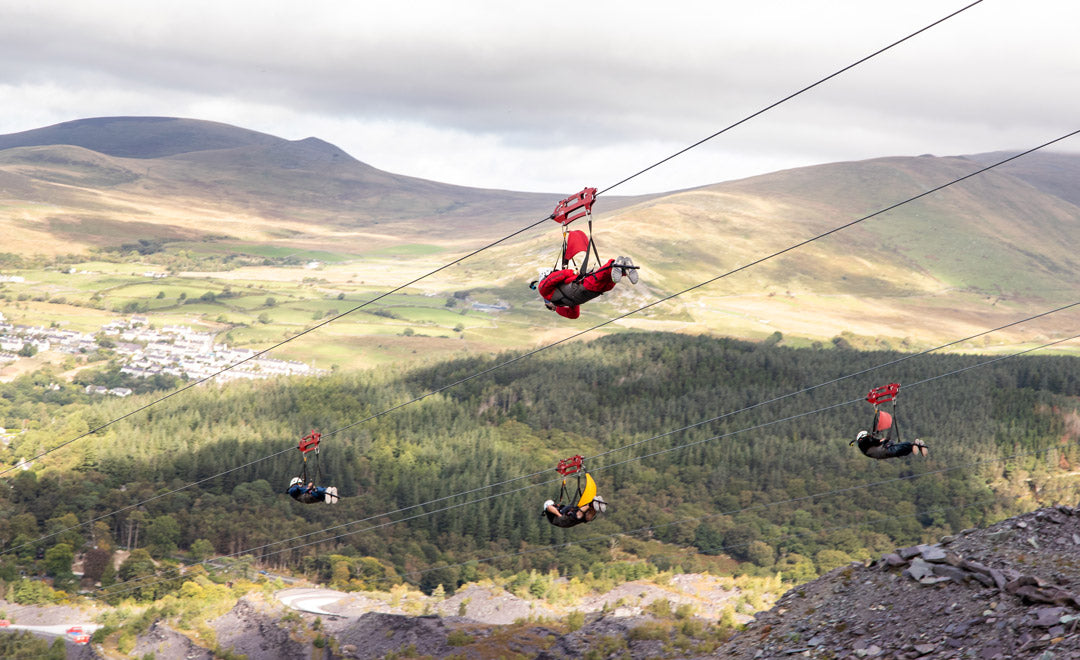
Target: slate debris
x,y
376,635
578,643
161,641
977,595
256,632
1009,591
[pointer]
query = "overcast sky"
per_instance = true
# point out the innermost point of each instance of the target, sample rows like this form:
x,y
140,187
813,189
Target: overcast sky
x,y
552,96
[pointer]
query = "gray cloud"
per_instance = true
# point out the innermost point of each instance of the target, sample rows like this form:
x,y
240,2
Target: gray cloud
x,y
556,95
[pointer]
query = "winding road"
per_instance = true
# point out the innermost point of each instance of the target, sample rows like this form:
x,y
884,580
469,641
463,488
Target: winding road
x,y
311,600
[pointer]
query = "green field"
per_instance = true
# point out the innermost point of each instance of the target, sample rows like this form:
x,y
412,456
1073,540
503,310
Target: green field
x,y
254,313
264,251
407,250
258,313
920,275
66,317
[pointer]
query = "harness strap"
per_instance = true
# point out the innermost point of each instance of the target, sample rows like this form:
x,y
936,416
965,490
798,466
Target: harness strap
x,y
584,270
895,425
895,422
318,470
566,467
561,259
303,473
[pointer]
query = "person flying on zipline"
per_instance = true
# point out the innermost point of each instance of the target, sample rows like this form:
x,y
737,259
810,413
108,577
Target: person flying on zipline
x,y
310,494
564,290
879,442
301,488
587,504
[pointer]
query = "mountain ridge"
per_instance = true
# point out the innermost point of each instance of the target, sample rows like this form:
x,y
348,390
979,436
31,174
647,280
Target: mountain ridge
x,y
993,247
126,137
227,168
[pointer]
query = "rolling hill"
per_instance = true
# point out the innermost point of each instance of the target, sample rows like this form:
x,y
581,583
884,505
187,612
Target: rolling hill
x,y
197,179
990,250
969,257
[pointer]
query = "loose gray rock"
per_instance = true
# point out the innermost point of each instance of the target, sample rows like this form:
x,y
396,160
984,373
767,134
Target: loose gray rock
x,y
932,553
919,569
988,597
1048,616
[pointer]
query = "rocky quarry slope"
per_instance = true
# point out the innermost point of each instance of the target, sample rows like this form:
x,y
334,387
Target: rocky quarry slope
x,y
1008,591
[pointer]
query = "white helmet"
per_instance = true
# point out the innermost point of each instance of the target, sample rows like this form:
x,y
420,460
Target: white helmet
x,y
547,503
296,480
862,434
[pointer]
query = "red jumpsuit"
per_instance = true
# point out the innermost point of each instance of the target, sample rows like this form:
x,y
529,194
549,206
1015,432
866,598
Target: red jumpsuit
x,y
560,289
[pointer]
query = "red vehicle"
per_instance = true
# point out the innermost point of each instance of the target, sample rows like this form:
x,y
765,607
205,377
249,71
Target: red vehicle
x,y
81,638
4,623
74,630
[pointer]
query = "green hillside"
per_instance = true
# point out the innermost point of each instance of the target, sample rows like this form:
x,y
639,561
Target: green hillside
x,y
215,207
982,252
1053,173
761,493
684,410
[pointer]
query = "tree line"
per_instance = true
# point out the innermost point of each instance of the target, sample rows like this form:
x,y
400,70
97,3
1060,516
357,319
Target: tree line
x,y
758,481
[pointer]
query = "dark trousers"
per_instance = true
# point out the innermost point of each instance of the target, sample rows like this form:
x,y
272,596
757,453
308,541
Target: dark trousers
x,y
888,449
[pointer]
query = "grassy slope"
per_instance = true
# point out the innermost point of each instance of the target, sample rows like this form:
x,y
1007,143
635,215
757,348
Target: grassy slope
x,y
991,250
984,253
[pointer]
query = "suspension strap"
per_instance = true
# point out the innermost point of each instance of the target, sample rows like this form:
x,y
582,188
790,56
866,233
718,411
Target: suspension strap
x,y
566,467
303,473
584,270
564,494
308,444
885,394
570,209
895,422
561,259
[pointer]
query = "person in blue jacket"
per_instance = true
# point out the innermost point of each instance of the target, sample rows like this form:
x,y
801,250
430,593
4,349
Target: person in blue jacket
x,y
311,494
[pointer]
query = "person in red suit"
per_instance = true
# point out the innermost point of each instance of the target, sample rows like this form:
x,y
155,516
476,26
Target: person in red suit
x,y
564,293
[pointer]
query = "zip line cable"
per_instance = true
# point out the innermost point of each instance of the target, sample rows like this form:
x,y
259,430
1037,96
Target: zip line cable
x,y
697,442
650,528
646,306
612,465
838,405
554,481
706,282
629,460
131,586
258,354
836,380
833,528
381,296
942,509
789,97
688,427
253,356
542,472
